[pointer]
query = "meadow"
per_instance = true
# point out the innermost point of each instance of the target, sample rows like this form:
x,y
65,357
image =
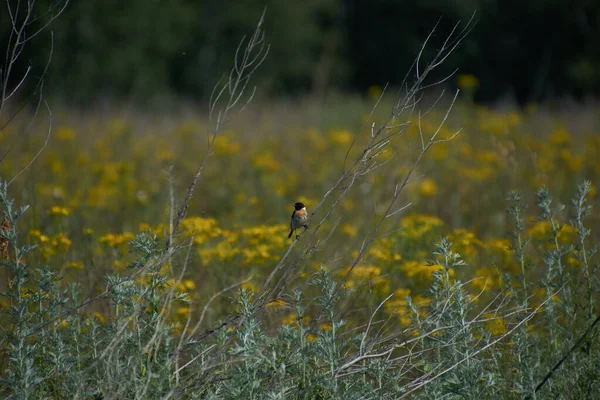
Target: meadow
x,y
464,264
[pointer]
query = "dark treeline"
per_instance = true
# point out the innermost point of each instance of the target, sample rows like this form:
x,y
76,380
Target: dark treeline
x,y
528,50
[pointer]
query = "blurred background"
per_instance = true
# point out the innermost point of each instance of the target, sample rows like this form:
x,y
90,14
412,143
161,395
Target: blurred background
x,y
524,51
128,85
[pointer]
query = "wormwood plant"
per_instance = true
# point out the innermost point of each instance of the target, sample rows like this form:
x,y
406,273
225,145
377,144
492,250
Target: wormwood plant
x,y
54,350
131,355
556,352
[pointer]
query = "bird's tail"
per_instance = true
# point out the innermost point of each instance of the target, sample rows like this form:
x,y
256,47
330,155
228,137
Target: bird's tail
x,y
290,235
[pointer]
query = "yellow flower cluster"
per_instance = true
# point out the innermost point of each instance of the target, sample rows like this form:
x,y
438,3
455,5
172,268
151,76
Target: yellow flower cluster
x,y
428,188
398,305
486,279
117,240
341,137
542,230
465,242
224,251
65,134
50,245
202,229
59,211
420,270
365,275
276,304
496,325
75,265
417,225
225,145
266,162
101,183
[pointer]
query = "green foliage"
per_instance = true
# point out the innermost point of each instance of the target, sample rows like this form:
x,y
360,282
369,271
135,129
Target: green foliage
x,y
456,346
140,50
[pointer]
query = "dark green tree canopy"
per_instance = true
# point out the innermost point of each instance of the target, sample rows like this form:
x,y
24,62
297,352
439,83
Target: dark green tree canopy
x,y
529,50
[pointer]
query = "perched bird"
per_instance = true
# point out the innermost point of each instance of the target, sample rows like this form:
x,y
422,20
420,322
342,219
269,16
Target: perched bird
x,y
299,219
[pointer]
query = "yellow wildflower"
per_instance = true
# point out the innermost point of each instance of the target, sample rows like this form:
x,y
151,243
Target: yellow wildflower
x,y
380,254
115,240
202,229
501,245
543,230
61,242
64,134
421,301
75,265
417,225
183,311
265,161
59,211
189,284
560,137
496,326
99,317
224,145
573,262
35,233
222,251
341,137
484,279
428,188
540,230
362,272
289,319
349,230
465,242
276,304
325,326
402,293
398,304
251,287
467,81
421,270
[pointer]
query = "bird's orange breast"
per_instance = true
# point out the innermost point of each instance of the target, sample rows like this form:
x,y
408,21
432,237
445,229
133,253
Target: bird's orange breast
x,y
301,214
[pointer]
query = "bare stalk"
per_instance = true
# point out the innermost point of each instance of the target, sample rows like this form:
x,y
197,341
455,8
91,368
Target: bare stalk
x,y
27,20
364,163
230,94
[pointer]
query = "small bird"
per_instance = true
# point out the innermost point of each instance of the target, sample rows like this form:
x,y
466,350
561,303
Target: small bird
x,y
299,219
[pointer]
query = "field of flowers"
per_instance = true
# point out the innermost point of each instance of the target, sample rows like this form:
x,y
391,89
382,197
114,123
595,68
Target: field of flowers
x,y
107,175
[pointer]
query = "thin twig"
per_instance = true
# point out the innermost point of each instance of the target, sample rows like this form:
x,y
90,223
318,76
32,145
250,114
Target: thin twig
x,y
567,354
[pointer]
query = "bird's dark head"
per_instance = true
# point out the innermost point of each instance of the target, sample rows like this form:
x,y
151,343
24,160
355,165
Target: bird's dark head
x,y
299,206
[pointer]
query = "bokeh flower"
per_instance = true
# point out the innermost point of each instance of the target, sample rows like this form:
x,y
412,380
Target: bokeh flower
x,y
467,81
428,188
